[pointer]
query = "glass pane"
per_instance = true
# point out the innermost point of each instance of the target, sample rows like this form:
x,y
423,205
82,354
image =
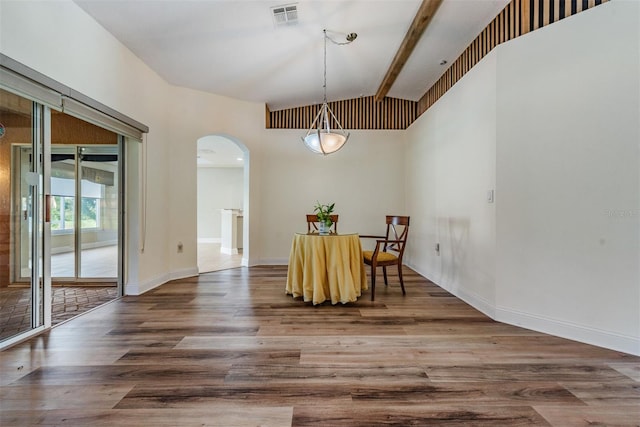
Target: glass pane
x,y
99,212
63,190
19,182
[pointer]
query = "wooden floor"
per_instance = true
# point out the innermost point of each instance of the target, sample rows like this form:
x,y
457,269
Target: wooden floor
x,y
229,348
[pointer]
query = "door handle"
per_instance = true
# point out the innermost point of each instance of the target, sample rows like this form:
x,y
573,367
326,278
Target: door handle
x,y
47,208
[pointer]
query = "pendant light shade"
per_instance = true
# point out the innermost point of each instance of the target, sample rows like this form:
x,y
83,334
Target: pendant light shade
x,y
324,143
321,137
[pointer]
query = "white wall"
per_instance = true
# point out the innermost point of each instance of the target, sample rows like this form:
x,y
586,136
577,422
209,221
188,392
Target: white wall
x,y
218,188
552,119
450,169
364,179
568,162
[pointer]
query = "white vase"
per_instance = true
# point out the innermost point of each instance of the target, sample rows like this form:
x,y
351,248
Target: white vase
x,y
323,228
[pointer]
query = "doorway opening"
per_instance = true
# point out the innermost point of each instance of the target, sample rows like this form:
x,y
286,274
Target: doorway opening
x,y
222,203
84,213
85,216
85,210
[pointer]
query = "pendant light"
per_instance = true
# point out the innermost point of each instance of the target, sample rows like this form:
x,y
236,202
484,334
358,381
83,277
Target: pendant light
x,y
322,138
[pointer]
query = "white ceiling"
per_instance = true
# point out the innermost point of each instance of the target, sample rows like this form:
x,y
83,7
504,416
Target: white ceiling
x,y
233,48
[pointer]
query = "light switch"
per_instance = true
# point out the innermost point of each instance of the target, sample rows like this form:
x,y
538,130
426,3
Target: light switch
x,y
490,196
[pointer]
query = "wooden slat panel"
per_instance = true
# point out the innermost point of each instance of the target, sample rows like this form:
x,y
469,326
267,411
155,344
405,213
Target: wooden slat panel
x,y
546,12
516,17
525,14
358,113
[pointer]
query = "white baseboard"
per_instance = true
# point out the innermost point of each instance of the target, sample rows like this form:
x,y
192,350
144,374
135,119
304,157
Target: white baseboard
x,y
555,327
571,331
271,261
183,273
229,251
477,302
141,288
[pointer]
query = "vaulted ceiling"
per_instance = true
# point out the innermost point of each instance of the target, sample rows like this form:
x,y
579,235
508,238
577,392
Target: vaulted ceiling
x,y
234,47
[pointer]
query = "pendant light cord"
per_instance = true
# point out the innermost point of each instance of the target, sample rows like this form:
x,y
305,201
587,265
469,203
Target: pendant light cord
x,y
325,66
321,139
350,38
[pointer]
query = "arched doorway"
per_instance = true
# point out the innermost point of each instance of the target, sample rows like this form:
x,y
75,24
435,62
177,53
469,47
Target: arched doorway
x,y
222,199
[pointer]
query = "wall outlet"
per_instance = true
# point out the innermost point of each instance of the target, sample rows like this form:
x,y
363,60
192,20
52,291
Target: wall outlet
x,y
180,247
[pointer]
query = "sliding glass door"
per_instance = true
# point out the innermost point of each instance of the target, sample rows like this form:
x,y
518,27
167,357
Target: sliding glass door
x,y
60,216
98,212
23,130
85,212
61,202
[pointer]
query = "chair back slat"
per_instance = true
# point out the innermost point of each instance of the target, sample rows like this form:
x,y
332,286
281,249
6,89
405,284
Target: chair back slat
x,y
397,229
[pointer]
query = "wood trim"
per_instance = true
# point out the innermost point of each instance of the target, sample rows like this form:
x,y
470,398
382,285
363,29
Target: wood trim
x,y
420,23
357,113
267,118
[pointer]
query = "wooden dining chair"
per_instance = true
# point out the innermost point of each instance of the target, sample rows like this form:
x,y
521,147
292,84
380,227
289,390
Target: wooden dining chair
x,y
312,223
388,251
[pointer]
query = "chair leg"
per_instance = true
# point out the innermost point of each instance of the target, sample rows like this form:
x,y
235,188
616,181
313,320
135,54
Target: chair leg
x,y
373,283
384,271
401,281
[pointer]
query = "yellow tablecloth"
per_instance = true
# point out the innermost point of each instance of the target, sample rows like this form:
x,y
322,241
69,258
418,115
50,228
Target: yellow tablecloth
x,y
326,267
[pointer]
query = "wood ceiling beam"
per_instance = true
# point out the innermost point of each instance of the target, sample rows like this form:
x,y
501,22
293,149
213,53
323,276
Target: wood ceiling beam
x,y
427,10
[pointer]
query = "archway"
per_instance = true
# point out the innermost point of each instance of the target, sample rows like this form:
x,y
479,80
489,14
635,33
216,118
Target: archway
x,y
222,202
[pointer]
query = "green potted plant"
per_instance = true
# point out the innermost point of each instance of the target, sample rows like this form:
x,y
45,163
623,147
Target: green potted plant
x,y
323,212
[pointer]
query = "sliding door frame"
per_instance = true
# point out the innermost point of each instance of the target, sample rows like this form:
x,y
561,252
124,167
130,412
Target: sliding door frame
x,y
46,220
46,94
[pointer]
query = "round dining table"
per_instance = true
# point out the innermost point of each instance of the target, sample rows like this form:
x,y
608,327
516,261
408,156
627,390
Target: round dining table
x,y
326,267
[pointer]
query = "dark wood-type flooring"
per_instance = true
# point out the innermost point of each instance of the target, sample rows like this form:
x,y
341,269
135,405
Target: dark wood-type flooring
x,y
229,348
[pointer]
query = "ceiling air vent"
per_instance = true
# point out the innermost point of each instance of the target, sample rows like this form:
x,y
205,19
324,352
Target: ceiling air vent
x,y
285,15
